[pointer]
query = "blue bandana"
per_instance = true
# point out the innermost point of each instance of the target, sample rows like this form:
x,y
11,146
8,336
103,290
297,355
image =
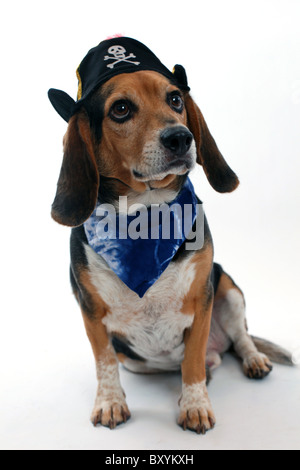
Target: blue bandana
x,y
139,248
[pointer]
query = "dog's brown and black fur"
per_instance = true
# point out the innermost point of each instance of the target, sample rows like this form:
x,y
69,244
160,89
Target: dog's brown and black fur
x,y
138,136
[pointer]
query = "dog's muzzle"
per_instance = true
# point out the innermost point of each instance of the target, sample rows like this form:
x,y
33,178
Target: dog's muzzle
x,y
172,152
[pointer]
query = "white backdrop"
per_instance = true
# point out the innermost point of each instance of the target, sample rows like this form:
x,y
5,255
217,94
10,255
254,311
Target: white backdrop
x,y
242,61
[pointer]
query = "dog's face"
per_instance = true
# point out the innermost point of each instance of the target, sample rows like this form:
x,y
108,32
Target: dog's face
x,y
145,138
138,129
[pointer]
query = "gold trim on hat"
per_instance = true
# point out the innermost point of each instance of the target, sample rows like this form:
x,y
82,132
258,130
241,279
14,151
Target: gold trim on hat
x,y
79,93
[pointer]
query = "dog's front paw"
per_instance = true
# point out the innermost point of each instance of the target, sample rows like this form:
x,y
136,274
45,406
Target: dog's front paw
x,y
257,366
196,411
110,413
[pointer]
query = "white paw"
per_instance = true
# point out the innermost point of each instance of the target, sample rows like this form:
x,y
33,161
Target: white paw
x,y
110,412
257,366
196,411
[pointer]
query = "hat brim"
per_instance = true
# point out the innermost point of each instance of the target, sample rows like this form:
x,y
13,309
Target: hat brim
x,y
63,104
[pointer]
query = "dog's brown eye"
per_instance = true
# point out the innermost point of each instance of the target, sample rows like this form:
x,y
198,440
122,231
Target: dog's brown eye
x,y
176,102
120,111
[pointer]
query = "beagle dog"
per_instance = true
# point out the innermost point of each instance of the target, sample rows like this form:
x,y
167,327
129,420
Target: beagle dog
x,y
137,135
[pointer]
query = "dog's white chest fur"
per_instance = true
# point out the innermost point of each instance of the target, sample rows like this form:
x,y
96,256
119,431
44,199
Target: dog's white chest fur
x,y
155,324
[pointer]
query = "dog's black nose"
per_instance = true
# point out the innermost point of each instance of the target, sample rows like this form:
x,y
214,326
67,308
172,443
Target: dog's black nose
x,y
177,139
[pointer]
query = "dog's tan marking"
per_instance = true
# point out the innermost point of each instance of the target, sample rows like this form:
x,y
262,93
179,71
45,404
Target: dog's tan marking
x,y
225,284
198,301
202,261
195,408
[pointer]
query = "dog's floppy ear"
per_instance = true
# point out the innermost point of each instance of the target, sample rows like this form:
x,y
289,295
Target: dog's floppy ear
x,y
78,183
218,173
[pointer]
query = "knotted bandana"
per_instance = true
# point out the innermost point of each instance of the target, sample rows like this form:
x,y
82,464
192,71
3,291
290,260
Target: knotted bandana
x,y
140,248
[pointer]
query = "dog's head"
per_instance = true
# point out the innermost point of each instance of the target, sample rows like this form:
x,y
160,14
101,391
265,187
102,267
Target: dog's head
x,y
140,131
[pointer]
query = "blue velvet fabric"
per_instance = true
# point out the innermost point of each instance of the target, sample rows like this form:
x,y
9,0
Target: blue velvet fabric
x,y
139,262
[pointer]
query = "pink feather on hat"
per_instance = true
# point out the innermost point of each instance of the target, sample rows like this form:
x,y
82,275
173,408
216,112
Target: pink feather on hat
x,y
118,35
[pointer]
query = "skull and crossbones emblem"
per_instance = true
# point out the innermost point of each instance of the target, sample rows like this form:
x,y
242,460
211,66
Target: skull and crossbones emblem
x,y
118,53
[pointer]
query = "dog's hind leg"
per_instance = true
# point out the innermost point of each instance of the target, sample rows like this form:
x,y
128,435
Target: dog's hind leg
x,y
229,315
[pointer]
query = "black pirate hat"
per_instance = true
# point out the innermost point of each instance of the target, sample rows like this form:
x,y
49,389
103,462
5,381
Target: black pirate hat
x,y
112,57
